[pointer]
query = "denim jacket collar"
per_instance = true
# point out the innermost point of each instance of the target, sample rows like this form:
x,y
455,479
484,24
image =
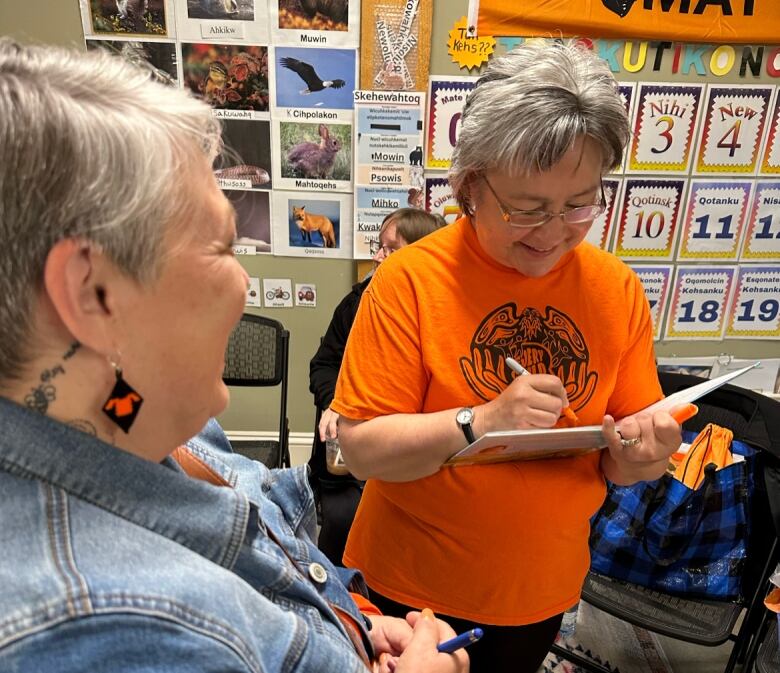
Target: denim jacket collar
x,y
155,496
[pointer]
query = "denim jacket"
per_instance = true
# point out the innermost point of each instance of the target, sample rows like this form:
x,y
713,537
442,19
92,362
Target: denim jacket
x,y
113,563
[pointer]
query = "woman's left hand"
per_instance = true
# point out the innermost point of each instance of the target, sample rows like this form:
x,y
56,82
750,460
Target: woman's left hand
x,y
640,450
389,634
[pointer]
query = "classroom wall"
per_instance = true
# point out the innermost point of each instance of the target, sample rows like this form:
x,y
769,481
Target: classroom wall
x,y
58,22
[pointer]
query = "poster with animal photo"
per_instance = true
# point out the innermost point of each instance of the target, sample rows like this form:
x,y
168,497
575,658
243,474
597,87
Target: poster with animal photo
x,y
325,23
732,128
124,18
665,127
312,156
233,21
253,220
158,57
245,163
311,84
314,225
233,79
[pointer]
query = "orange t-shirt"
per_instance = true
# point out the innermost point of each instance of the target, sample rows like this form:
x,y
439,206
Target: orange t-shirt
x,y
503,544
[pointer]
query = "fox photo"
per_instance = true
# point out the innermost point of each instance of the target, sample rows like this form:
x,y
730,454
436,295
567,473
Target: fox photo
x,y
314,14
228,77
159,57
313,223
128,16
235,10
247,154
315,78
316,151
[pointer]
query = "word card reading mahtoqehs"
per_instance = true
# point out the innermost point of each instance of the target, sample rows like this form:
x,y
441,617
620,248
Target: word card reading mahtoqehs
x,y
699,302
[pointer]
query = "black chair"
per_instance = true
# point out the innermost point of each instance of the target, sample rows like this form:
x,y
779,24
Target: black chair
x,y
753,418
767,659
257,355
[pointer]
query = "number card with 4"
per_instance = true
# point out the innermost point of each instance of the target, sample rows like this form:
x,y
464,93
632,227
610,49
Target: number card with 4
x,y
601,230
648,219
655,281
446,99
755,310
762,237
771,159
732,128
699,302
714,219
665,127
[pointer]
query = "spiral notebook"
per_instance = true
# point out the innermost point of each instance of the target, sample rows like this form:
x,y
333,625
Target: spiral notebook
x,y
497,447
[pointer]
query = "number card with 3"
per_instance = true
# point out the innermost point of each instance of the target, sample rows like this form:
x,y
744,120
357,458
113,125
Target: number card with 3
x,y
771,158
601,230
699,301
755,310
714,219
446,99
648,219
762,237
732,128
665,127
655,281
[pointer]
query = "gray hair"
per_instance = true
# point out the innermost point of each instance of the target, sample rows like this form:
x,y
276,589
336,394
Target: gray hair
x,y
529,108
90,148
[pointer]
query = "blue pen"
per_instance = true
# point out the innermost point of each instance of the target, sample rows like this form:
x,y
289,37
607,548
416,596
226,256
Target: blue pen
x,y
463,640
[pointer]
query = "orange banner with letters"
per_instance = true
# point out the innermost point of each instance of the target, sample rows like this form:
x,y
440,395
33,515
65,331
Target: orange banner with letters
x,y
712,21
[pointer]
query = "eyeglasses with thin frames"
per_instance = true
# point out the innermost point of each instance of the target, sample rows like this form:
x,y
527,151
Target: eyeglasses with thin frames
x,y
527,219
374,248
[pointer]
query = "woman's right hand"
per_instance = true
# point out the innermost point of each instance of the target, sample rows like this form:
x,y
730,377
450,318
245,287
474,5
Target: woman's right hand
x,y
421,655
329,425
532,401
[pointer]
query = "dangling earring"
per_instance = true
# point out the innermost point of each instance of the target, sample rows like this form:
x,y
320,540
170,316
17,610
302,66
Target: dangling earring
x,y
123,402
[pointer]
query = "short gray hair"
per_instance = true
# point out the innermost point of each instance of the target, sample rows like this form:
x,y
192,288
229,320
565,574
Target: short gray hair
x,y
91,148
528,109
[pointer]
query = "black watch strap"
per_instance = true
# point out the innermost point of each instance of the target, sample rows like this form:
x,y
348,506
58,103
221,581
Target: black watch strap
x,y
464,418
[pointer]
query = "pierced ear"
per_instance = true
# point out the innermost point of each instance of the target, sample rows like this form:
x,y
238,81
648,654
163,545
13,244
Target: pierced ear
x,y
74,280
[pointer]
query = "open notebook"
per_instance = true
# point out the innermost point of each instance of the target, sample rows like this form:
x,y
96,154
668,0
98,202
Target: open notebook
x,y
496,447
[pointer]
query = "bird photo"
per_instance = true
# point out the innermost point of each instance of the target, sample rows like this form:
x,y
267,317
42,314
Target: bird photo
x,y
315,78
128,16
314,14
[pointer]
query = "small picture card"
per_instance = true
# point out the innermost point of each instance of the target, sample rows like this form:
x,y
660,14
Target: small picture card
x,y
665,127
770,162
277,293
655,281
246,161
312,84
648,218
313,225
762,235
755,310
131,18
440,199
306,294
372,205
699,302
323,23
253,293
732,128
600,231
446,98
240,21
253,221
714,219
314,157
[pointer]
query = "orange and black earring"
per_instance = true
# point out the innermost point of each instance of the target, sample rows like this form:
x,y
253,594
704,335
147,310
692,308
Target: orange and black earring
x,y
124,403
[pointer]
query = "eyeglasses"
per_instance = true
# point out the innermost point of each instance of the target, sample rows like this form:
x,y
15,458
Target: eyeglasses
x,y
374,248
527,219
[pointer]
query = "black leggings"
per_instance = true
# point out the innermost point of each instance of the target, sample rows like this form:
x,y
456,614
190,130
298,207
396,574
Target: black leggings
x,y
503,649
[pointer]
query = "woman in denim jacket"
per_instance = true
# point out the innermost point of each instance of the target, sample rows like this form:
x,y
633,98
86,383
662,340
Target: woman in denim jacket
x,y
125,549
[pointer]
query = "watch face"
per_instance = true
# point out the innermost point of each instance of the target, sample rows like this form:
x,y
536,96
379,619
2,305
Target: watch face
x,y
465,416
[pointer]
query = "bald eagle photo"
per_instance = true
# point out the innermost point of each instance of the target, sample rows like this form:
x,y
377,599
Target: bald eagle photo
x,y
307,73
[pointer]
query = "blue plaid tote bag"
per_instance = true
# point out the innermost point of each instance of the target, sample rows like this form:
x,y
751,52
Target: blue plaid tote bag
x,y
666,536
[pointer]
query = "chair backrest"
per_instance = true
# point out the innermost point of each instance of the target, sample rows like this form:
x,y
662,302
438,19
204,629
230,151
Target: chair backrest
x,y
257,354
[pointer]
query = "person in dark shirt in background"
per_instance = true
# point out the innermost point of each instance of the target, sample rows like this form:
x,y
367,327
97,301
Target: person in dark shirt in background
x,y
337,491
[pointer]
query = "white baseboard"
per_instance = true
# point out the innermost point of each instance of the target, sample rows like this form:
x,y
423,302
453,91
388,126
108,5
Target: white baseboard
x,y
300,442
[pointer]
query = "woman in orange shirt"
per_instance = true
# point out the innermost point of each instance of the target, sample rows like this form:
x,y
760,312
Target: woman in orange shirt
x,y
503,546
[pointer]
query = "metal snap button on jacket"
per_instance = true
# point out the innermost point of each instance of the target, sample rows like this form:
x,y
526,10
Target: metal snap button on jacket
x,y
318,573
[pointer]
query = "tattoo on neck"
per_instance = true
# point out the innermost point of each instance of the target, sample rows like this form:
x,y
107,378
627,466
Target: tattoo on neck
x,y
40,396
83,425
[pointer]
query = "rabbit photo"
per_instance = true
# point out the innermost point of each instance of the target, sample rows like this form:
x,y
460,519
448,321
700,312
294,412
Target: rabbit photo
x,y
327,159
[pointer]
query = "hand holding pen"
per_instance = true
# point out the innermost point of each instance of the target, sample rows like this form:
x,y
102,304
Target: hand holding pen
x,y
567,412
